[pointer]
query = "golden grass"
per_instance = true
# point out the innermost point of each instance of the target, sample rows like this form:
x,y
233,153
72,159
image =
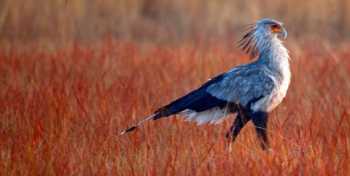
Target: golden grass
x,y
61,113
165,20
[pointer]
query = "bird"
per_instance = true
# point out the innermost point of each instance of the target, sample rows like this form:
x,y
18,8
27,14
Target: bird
x,y
249,91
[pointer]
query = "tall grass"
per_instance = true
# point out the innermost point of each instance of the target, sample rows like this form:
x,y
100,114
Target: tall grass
x,y
61,113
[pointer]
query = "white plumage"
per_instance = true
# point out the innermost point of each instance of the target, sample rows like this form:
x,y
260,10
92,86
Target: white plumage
x,y
212,116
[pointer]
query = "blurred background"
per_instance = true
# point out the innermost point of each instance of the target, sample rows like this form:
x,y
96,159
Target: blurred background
x,y
165,21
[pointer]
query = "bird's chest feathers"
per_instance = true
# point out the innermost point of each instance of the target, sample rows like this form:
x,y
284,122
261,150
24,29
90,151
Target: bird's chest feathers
x,y
282,81
277,62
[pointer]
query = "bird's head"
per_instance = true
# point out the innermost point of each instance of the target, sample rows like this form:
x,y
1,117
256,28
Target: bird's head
x,y
272,28
260,33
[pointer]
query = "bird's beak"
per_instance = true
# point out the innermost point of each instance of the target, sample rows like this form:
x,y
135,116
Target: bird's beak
x,y
283,34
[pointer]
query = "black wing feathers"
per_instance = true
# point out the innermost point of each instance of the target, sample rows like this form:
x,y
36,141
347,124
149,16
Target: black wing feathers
x,y
197,100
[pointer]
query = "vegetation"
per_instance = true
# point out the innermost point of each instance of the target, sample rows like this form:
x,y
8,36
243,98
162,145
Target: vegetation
x,y
74,73
164,21
61,113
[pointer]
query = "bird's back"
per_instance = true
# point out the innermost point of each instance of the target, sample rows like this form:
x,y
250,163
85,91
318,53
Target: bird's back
x,y
244,84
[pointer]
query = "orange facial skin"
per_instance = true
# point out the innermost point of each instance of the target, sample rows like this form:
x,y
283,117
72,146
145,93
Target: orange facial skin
x,y
276,28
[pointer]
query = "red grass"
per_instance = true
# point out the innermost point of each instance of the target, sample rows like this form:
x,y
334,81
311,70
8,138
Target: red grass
x,y
61,113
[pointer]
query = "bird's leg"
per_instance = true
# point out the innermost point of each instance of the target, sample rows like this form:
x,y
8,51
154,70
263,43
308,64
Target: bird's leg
x,y
237,125
260,121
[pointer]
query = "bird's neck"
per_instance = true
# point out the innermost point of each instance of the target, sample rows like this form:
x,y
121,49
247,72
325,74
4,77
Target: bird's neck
x,y
274,55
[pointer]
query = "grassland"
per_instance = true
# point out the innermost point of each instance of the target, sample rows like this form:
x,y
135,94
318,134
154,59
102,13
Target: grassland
x,y
61,112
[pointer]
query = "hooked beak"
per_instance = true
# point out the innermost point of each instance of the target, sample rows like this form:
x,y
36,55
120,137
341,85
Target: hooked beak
x,y
283,35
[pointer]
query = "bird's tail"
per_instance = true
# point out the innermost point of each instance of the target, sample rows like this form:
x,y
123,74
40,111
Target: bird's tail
x,y
154,116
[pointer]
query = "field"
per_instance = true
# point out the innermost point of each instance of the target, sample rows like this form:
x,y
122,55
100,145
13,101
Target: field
x,y
74,73
61,112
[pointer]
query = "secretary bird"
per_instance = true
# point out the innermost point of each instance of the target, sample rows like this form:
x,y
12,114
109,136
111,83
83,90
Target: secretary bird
x,y
251,90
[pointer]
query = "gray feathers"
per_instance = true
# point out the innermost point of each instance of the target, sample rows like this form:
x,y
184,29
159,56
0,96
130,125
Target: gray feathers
x,y
243,84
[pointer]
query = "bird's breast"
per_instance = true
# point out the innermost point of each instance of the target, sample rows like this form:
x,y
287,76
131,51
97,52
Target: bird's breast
x,y
281,88
281,77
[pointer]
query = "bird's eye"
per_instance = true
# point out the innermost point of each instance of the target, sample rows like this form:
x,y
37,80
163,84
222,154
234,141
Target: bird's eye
x,y
276,28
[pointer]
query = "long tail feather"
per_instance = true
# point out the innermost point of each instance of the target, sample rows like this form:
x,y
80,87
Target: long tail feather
x,y
132,128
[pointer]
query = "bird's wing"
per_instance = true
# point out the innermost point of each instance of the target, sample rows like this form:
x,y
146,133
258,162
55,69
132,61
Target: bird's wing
x,y
212,101
197,100
243,86
198,105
